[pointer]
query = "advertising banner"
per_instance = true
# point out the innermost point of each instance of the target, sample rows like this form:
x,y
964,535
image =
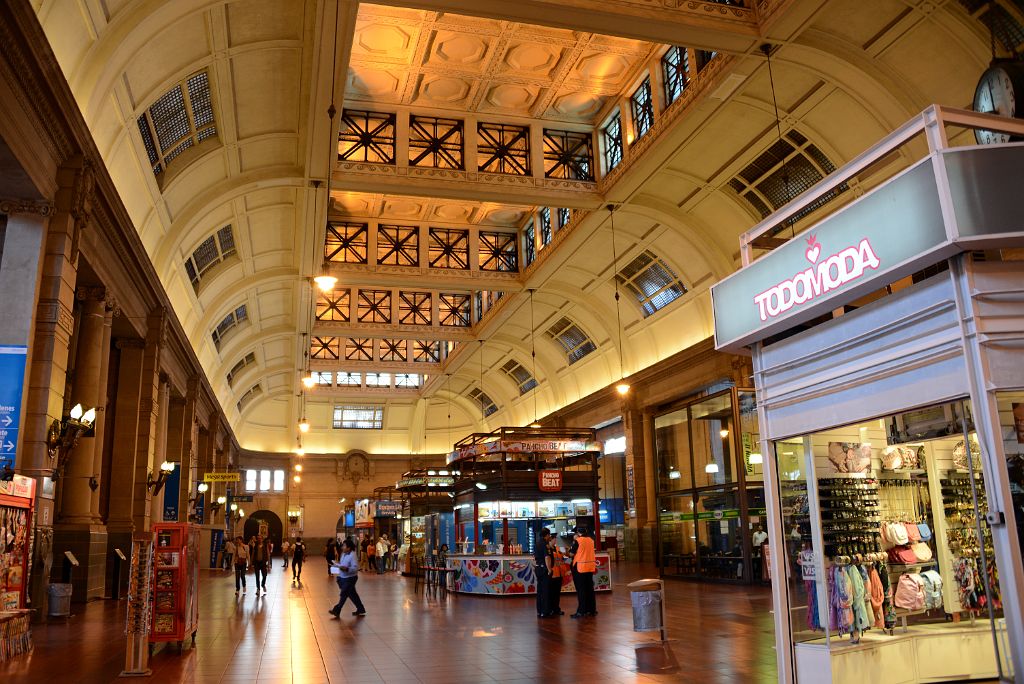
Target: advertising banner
x,y
12,378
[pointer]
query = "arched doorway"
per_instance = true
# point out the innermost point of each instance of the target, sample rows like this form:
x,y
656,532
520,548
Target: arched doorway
x,y
269,522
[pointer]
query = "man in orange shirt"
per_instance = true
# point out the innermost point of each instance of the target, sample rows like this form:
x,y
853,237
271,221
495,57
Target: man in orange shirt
x,y
584,562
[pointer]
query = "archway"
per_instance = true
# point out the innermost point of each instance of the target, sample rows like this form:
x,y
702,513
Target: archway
x,y
268,520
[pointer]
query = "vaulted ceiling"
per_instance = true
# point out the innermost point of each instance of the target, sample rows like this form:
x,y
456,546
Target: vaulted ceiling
x,y
845,73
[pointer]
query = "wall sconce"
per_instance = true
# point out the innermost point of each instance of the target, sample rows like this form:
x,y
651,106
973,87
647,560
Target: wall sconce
x,y
293,516
215,505
154,486
202,488
93,483
64,434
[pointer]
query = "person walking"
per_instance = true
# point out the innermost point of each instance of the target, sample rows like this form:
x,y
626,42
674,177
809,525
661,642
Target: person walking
x,y
348,566
229,552
585,565
382,549
260,561
541,567
298,556
241,563
286,551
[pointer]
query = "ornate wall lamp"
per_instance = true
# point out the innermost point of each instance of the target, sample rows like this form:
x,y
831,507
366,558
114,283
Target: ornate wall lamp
x,y
154,486
216,505
64,434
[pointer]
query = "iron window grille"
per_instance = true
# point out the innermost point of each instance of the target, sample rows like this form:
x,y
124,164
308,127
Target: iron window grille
x,y
704,58
569,155
612,134
448,248
414,308
454,310
574,342
675,67
328,348
409,380
366,137
436,142
784,171
426,351
250,394
504,148
359,349
651,282
334,306
374,306
210,252
346,242
347,379
358,417
485,299
322,378
545,226
497,252
244,362
398,245
230,321
375,379
642,107
394,350
564,217
180,119
486,404
1004,18
529,243
520,376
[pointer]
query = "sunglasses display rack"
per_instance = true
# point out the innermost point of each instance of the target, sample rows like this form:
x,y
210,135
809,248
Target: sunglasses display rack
x,y
850,515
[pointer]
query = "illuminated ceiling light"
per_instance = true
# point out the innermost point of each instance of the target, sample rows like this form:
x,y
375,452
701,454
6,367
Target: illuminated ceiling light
x,y
298,467
756,459
723,433
300,452
76,412
711,468
674,474
622,388
481,485
442,472
534,424
431,484
203,487
325,282
303,425
431,472
309,381
297,479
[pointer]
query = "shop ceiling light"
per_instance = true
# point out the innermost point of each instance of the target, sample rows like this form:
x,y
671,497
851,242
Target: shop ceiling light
x,y
711,468
481,485
674,474
723,433
303,425
325,282
622,388
443,473
756,459
431,472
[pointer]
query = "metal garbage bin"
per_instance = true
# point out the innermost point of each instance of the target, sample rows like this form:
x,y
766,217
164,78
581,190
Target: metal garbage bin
x,y
647,597
59,600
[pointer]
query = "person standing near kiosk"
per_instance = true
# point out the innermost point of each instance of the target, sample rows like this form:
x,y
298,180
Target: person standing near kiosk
x,y
584,564
540,567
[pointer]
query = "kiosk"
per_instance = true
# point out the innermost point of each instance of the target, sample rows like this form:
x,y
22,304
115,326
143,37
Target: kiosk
x,y
508,485
428,520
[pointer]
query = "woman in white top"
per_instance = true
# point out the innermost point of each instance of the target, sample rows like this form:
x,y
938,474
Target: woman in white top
x,y
241,563
348,574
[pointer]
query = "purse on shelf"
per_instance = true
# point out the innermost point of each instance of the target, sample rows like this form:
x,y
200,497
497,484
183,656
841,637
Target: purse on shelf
x,y
924,531
897,533
902,555
909,592
922,552
913,533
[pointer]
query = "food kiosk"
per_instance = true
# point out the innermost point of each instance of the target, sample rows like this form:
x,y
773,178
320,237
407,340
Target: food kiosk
x,y
508,485
427,515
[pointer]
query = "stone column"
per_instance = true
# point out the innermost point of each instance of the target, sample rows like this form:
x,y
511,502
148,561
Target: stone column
x,y
639,539
102,414
149,414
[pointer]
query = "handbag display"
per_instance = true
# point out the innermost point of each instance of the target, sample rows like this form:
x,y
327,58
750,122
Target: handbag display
x,y
913,534
902,555
897,533
924,531
922,552
909,592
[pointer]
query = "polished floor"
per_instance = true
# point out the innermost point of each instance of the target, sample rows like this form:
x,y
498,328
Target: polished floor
x,y
720,634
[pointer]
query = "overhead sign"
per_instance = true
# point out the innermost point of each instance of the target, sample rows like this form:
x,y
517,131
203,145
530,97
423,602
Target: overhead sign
x,y
12,379
549,480
222,477
834,262
525,446
387,509
242,498
426,481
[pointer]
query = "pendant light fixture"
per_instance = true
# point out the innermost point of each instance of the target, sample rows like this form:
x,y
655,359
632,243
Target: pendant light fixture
x,y
325,281
622,387
533,359
767,50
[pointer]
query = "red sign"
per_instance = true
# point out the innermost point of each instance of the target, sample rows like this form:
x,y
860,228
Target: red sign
x,y
549,480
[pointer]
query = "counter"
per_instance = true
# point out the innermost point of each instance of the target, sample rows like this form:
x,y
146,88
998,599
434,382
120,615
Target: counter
x,y
506,575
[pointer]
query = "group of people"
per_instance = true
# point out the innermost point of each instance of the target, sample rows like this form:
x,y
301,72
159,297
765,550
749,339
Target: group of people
x,y
551,566
256,554
380,556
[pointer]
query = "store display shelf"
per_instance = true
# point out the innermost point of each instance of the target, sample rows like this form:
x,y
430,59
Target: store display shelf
x,y
899,474
903,567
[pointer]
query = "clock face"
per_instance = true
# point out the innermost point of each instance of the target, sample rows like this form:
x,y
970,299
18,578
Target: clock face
x,y
996,94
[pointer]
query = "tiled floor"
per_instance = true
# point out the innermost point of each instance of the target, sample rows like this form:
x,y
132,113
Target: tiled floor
x,y
722,633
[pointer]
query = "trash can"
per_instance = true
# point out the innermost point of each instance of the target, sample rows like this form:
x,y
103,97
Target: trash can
x,y
60,600
646,596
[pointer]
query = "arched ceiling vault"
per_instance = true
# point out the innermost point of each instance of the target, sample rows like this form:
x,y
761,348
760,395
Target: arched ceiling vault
x,y
843,76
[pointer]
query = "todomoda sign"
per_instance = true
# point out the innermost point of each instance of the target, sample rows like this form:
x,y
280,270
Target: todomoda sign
x,y
549,480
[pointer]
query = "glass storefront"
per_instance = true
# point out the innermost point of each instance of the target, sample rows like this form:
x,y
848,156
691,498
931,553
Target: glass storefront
x,y
887,544
710,523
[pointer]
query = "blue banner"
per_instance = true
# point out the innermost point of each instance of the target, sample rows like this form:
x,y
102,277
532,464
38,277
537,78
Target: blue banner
x,y
216,540
171,494
200,507
12,379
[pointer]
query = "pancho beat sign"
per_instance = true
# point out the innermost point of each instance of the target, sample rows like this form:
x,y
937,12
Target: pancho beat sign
x,y
549,480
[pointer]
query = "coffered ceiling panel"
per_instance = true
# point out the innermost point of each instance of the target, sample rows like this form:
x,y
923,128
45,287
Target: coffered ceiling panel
x,y
254,21
258,74
449,61
441,211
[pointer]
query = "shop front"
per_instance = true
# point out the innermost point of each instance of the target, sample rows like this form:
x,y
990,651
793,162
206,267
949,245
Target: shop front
x,y
888,354
427,516
711,512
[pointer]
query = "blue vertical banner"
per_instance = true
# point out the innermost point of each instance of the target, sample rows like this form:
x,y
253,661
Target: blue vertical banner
x,y
216,540
200,507
12,379
171,494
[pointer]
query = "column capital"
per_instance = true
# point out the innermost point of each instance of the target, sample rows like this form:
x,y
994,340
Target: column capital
x,y
165,379
130,343
26,206
94,293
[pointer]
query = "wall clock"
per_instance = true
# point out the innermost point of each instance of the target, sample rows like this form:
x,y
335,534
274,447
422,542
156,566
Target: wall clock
x,y
1000,91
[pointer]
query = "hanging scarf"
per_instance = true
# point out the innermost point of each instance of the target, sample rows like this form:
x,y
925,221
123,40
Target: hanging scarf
x,y
876,597
842,600
860,615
